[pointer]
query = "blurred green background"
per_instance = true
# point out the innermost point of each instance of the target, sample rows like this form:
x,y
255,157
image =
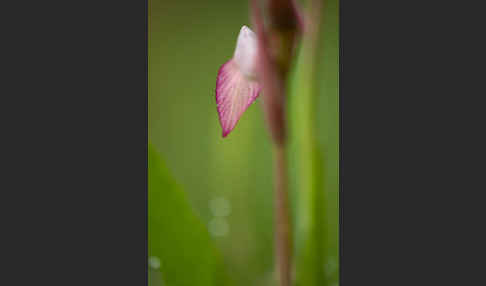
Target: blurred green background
x,y
227,183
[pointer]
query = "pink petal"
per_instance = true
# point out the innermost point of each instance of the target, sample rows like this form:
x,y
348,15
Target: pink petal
x,y
234,94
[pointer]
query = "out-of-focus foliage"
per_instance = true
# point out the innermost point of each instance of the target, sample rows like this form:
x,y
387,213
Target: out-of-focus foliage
x,y
179,243
228,182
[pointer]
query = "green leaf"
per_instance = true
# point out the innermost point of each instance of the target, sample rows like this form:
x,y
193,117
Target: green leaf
x,y
314,152
307,178
176,235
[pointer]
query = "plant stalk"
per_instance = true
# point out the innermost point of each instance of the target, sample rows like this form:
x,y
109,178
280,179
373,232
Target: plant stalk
x,y
275,52
283,240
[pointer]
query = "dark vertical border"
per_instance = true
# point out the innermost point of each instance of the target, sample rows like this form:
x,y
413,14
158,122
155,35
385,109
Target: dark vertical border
x,y
74,190
409,112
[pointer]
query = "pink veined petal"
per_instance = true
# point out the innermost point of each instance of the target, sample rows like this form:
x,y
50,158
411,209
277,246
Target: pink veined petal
x,y
234,94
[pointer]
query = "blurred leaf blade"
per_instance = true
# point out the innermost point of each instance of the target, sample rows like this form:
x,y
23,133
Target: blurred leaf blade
x,y
176,235
313,114
307,177
327,73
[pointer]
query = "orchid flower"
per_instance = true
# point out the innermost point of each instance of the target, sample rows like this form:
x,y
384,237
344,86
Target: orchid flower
x,y
263,60
237,86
